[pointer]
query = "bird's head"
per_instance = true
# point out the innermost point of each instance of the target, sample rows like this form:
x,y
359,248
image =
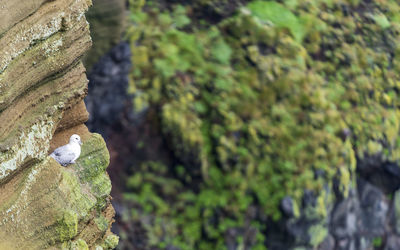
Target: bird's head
x,y
75,139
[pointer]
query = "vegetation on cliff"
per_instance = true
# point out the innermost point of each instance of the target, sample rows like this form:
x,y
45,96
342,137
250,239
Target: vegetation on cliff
x,y
42,85
258,101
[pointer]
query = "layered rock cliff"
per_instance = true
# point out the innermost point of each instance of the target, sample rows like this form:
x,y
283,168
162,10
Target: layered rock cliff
x,y
42,85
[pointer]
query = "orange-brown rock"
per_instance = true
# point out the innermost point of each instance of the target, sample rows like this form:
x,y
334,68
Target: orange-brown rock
x,y
42,85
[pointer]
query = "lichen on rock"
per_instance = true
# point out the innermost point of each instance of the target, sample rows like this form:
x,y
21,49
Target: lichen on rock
x,y
260,101
42,86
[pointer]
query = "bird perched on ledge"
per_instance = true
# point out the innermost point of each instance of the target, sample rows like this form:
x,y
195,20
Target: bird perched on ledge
x,y
68,153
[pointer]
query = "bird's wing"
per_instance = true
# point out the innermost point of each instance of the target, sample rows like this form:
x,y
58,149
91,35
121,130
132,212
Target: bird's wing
x,y
59,151
63,155
66,158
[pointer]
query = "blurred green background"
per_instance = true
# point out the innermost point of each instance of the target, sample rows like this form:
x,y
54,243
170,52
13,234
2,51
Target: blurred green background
x,y
255,118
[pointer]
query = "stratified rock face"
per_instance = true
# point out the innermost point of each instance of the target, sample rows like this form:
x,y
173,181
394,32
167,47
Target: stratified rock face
x,y
42,85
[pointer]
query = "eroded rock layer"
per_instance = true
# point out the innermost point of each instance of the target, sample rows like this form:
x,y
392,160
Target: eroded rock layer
x,y
42,85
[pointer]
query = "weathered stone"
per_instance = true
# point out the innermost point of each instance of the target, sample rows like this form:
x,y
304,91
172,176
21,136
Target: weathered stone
x,y
45,44
374,210
383,174
42,86
9,18
344,217
287,206
34,132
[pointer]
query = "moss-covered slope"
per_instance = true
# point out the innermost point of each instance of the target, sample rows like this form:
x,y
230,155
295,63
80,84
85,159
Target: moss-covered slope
x,y
260,100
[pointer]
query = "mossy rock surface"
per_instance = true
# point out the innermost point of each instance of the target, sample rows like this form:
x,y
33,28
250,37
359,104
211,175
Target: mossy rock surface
x,y
56,201
271,99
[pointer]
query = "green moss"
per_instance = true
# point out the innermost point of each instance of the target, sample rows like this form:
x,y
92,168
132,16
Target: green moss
x,y
377,242
67,226
279,15
94,158
111,242
101,223
87,184
344,183
101,186
317,234
92,164
267,100
79,245
81,202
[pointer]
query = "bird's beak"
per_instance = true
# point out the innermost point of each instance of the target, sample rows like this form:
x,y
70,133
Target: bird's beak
x,y
80,143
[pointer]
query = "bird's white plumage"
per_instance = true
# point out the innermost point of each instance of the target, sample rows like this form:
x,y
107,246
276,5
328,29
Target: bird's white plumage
x,y
68,153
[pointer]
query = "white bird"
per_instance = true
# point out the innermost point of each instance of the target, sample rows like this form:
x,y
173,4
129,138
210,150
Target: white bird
x,y
68,153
